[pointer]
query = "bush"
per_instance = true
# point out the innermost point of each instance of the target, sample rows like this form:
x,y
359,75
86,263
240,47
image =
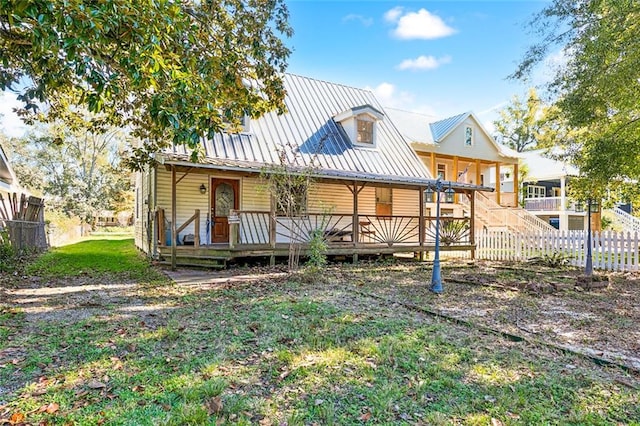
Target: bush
x,y
7,253
317,251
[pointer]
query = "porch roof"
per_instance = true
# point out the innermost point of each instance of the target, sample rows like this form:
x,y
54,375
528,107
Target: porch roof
x,y
182,160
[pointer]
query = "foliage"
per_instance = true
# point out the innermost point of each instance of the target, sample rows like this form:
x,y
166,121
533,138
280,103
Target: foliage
x,y
552,260
169,70
288,183
520,122
596,91
453,231
77,167
317,251
7,253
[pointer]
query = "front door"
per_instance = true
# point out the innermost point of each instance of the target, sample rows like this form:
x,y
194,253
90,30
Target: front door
x,y
224,197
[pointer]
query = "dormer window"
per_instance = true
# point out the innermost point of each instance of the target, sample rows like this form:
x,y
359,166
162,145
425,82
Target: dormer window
x,y
359,124
365,131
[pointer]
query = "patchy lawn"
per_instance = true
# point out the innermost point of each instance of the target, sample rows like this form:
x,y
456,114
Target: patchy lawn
x,y
258,346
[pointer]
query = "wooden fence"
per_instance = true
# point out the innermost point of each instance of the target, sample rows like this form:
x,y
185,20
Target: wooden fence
x,y
611,251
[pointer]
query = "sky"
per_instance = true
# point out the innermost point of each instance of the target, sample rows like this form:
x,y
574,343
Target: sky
x,y
441,58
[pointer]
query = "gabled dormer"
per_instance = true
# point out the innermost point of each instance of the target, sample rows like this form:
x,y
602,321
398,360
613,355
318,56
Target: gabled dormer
x,y
359,123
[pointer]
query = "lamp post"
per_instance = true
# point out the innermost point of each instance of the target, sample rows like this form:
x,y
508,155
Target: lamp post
x,y
436,188
588,269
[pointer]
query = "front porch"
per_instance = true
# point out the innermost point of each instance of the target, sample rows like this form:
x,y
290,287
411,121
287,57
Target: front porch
x,y
260,234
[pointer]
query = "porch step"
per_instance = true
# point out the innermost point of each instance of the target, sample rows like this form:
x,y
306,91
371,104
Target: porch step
x,y
197,261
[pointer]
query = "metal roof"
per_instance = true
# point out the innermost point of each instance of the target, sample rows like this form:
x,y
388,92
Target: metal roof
x,y
309,136
442,128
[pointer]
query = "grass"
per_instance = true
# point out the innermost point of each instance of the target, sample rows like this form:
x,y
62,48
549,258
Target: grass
x,y
295,350
102,255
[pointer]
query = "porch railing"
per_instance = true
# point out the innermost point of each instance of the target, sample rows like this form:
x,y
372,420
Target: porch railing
x,y
337,229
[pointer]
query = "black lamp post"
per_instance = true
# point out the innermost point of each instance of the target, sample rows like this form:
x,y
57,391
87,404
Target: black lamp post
x,y
591,205
436,188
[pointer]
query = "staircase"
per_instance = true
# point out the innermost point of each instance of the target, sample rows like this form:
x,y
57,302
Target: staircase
x,y
629,222
490,215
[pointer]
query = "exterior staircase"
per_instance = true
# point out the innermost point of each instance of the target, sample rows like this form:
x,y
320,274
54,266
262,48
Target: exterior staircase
x,y
629,222
492,216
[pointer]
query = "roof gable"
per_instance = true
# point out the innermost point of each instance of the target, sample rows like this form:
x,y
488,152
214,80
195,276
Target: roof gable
x,y
442,128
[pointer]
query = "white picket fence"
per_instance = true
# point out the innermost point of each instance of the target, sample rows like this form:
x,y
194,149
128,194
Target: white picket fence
x,y
611,251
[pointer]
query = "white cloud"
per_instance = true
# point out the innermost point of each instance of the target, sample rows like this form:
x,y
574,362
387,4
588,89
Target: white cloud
x,y
392,15
418,25
10,123
355,17
388,95
423,63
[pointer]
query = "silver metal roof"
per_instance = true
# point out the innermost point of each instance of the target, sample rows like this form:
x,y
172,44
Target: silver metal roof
x,y
442,128
309,136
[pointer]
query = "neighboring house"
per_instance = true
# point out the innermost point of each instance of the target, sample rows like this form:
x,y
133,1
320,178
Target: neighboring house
x,y
545,193
460,149
367,196
8,186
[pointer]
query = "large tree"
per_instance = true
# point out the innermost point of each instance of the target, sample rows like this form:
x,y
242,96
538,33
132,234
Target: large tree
x,y
171,70
520,122
597,91
74,166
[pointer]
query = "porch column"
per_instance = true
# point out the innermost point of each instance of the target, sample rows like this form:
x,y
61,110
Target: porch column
x,y
498,183
516,184
272,230
433,165
472,229
421,227
563,216
455,176
174,233
356,224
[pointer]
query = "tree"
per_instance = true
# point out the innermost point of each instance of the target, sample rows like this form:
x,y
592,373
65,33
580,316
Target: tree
x,y
172,71
597,90
76,168
519,123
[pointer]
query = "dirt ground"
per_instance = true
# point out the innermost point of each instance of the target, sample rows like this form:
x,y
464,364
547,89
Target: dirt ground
x,y
540,304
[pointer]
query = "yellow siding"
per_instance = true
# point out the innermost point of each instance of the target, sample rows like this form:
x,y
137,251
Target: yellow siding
x,y
406,202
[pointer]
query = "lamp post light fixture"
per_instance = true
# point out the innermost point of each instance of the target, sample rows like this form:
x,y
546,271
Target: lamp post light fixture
x,y
436,188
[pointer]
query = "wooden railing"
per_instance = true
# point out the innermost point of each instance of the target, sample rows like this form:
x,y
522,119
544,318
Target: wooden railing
x,y
337,229
162,236
453,231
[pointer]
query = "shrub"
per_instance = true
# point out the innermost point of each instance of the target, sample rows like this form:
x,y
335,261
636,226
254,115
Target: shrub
x,y
7,253
317,251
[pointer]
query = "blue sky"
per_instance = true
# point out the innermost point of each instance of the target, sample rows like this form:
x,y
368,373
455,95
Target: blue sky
x,y
437,57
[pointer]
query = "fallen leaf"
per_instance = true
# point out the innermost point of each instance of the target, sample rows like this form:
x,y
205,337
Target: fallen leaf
x,y
319,401
138,388
94,384
366,416
52,408
496,422
214,405
16,418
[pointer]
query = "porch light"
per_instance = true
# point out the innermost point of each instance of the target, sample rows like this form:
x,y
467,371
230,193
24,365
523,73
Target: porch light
x,y
203,189
437,187
449,194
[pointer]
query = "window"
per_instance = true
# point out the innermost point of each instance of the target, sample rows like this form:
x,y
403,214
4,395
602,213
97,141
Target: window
x,y
442,171
365,131
534,191
468,136
292,201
